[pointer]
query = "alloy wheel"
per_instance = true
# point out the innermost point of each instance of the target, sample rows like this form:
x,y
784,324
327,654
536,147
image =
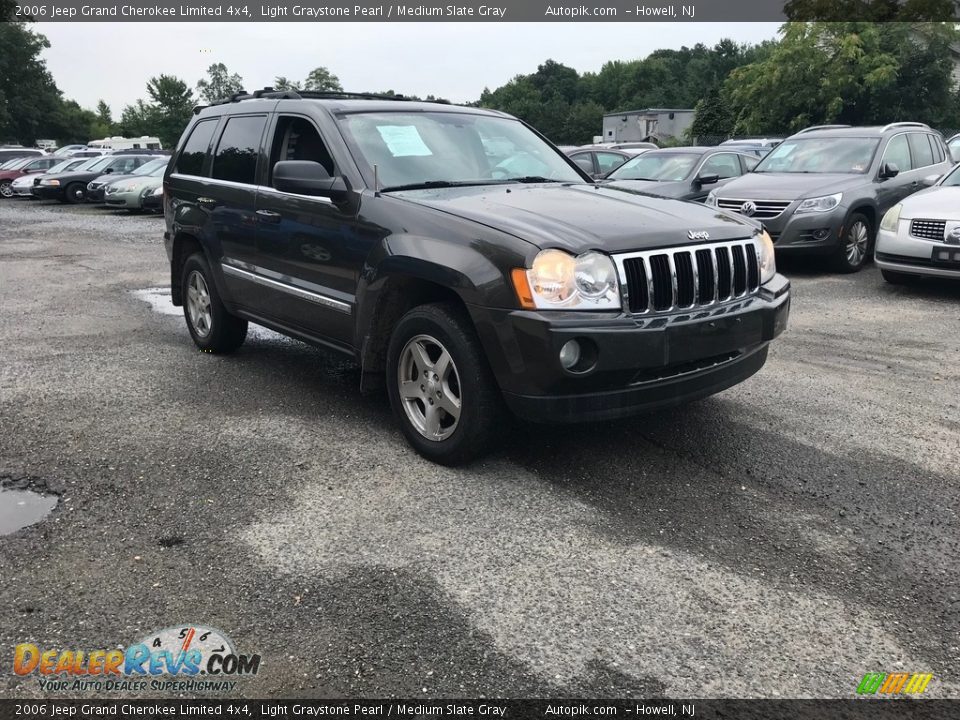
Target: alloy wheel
x,y
6,190
858,242
429,387
198,304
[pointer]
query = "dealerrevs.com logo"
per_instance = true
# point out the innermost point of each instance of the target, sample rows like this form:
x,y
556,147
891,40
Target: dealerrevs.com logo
x,y
183,658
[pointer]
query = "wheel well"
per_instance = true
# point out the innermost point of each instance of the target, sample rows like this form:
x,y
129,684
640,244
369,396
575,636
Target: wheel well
x,y
399,295
869,213
183,247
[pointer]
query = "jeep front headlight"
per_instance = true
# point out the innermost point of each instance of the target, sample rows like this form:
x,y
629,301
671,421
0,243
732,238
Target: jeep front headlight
x,y
558,280
711,199
768,262
824,203
891,218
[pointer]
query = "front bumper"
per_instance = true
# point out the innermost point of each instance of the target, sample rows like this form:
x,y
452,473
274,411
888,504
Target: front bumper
x,y
808,232
48,192
901,252
129,200
22,190
95,194
639,363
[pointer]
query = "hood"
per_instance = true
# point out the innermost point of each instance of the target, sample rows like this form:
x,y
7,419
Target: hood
x,y
788,186
936,203
73,175
109,178
578,218
134,182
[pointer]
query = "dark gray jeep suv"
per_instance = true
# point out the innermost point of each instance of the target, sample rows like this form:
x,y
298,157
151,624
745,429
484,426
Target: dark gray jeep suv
x,y
462,260
825,189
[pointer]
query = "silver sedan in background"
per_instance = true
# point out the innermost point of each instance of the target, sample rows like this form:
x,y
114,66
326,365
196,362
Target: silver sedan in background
x,y
920,236
130,192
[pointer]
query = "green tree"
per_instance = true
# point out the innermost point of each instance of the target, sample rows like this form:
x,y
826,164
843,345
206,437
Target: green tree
x,y
322,80
712,116
219,84
172,106
28,94
282,83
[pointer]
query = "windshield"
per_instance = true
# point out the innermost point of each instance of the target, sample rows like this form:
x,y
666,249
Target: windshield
x,y
952,179
18,163
663,167
61,166
820,155
447,148
151,167
98,163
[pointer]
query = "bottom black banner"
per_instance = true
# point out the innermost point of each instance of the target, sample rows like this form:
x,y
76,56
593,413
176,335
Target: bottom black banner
x,y
872,709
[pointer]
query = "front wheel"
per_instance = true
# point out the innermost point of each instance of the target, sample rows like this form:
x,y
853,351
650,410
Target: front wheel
x,y
6,189
212,328
441,390
75,193
856,242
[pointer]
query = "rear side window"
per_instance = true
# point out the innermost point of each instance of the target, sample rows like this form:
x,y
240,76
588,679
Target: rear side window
x,y
237,151
920,147
585,161
195,148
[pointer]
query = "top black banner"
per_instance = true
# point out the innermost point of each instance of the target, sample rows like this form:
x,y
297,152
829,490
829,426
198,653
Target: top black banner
x,y
629,11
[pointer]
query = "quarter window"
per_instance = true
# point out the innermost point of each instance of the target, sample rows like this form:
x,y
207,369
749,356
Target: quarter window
x,y
237,151
920,148
898,153
195,148
585,162
608,161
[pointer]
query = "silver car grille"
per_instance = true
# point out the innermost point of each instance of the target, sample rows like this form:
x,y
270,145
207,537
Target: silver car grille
x,y
928,229
759,209
688,277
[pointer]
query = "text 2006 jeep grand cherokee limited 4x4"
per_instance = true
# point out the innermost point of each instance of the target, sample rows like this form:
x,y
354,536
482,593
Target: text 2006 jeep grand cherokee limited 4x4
x,y
463,260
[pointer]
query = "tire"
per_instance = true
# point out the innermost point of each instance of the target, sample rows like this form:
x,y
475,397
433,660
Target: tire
x,y
452,374
855,246
75,193
898,278
212,328
5,189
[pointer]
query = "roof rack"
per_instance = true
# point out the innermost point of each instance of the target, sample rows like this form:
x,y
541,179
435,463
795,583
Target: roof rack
x,y
820,127
891,126
273,94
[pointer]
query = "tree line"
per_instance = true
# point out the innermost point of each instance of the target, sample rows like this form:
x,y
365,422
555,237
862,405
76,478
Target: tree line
x,y
813,73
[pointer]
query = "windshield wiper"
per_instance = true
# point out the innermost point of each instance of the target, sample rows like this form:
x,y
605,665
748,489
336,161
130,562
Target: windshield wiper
x,y
530,179
427,184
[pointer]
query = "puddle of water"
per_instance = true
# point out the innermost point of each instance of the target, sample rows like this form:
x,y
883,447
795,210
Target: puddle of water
x,y
159,300
19,508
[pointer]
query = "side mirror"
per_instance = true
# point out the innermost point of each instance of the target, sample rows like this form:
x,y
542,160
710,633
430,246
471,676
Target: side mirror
x,y
706,180
108,171
889,170
306,177
930,180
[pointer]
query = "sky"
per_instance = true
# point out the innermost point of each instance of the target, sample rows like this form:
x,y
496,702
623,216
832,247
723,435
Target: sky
x,y
113,61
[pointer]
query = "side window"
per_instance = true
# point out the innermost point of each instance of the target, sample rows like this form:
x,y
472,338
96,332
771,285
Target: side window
x,y
195,148
898,153
937,146
920,148
724,165
237,151
124,166
297,138
585,161
608,161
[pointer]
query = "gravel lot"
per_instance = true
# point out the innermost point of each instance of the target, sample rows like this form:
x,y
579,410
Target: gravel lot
x,y
780,539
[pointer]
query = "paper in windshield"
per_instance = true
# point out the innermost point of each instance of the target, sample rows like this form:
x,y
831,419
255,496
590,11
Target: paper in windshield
x,y
403,140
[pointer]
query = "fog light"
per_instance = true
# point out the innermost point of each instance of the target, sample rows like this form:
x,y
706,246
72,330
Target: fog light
x,y
570,354
821,234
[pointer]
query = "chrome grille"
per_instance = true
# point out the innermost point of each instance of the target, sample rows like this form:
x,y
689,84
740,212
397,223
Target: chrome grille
x,y
928,229
688,277
764,209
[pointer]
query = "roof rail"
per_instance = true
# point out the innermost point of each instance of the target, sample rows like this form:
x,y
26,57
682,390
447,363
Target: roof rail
x,y
891,126
820,127
272,94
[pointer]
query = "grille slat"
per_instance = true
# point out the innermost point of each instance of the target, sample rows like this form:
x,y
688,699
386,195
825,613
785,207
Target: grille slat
x,y
690,277
762,209
928,229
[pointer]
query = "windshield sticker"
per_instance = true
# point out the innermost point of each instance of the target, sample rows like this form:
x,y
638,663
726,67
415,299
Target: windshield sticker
x,y
403,140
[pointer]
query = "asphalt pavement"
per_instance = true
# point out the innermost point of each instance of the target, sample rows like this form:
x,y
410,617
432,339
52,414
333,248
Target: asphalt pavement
x,y
780,539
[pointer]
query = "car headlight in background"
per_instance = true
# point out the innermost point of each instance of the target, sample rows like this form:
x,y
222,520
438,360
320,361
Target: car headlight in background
x,y
559,280
158,190
891,218
768,261
54,183
824,203
711,199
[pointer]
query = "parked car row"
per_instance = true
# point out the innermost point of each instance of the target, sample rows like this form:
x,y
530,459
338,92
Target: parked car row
x,y
121,180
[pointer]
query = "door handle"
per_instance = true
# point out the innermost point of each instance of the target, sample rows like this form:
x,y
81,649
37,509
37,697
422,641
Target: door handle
x,y
206,203
268,216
